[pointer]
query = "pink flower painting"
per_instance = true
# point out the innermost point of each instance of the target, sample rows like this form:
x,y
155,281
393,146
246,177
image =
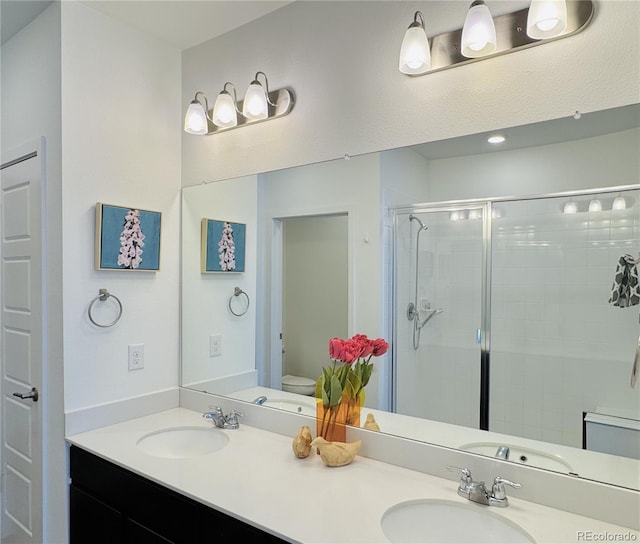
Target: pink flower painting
x,y
131,241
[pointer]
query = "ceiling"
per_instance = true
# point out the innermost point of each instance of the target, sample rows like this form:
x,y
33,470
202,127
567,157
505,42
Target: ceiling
x,y
182,23
16,14
574,126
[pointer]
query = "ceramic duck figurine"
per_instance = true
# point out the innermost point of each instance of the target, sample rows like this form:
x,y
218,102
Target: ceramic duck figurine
x,y
371,423
302,443
336,454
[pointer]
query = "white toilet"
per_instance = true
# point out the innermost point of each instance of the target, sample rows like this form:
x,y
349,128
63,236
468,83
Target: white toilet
x,y
298,384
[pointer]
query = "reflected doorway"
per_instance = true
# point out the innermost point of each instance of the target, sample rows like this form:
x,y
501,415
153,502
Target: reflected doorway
x,y
315,262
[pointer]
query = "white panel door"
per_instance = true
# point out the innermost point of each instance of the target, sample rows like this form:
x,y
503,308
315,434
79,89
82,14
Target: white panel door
x,y
22,344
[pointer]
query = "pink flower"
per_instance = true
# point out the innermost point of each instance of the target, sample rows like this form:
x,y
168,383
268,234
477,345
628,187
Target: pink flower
x,y
362,343
336,348
380,347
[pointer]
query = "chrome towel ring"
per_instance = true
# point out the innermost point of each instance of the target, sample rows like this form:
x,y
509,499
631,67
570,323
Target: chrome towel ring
x,y
236,293
102,296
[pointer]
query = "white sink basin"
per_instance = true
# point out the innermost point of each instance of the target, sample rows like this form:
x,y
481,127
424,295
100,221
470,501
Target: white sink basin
x,y
521,455
439,521
183,442
291,405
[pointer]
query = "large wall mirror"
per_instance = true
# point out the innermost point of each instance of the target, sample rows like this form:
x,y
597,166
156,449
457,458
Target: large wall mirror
x,y
508,253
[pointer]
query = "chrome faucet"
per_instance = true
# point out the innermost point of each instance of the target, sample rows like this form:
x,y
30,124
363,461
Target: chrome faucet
x,y
229,421
502,452
260,400
477,492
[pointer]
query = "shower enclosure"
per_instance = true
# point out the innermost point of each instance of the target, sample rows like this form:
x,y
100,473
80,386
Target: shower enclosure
x,y
502,318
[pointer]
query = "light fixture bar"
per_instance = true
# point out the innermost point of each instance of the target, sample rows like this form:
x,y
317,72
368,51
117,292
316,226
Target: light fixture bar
x,y
280,103
511,32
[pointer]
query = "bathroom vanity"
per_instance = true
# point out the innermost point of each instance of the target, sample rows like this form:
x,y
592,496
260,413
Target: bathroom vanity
x,y
254,486
111,504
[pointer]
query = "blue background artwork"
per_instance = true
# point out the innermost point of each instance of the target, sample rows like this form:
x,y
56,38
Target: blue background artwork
x,y
112,224
214,235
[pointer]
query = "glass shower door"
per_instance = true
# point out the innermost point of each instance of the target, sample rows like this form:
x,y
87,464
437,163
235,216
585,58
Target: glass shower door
x,y
438,313
558,346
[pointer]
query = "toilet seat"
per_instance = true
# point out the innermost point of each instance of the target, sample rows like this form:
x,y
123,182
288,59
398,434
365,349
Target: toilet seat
x,y
298,384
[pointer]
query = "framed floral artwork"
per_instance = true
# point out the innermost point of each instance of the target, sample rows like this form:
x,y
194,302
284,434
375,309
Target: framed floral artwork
x,y
127,238
223,244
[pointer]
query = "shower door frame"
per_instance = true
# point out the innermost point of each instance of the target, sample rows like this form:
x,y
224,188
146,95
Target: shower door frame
x,y
485,297
487,204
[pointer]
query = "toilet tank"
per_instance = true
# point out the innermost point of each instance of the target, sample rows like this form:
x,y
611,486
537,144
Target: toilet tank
x,y
613,434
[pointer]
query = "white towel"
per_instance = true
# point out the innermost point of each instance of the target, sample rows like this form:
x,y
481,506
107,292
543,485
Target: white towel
x,y
625,290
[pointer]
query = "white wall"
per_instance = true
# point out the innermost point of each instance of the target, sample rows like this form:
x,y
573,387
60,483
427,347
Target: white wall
x,y
205,297
121,145
340,59
31,109
353,187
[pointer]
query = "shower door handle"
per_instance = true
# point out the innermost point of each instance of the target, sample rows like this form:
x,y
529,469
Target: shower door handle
x,y
634,368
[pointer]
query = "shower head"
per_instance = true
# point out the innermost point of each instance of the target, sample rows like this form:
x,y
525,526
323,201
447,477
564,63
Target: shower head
x,y
422,225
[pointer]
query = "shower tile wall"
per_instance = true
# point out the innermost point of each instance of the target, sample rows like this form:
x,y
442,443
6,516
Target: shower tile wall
x,y
558,348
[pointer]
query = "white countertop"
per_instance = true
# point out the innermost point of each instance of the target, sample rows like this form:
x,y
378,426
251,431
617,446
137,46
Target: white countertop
x,y
257,478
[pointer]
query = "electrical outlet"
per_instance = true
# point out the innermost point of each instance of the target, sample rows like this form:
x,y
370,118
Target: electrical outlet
x,y
136,356
215,345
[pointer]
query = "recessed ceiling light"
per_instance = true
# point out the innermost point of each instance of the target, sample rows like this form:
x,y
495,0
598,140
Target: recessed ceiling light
x,y
496,139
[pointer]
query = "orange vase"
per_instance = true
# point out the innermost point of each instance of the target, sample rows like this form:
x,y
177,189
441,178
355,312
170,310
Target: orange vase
x,y
331,421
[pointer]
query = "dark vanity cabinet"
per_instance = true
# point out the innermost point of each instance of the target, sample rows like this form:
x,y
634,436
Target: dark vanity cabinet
x,y
109,504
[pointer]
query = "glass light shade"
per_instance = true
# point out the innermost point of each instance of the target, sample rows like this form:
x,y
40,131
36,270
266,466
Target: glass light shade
x,y
478,32
619,204
255,102
475,214
595,205
224,111
415,54
195,120
546,18
570,207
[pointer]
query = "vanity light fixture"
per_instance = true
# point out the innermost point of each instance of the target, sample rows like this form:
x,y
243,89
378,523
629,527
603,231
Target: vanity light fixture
x,y
196,120
259,104
256,101
570,207
478,32
225,110
619,203
546,18
483,36
595,205
415,55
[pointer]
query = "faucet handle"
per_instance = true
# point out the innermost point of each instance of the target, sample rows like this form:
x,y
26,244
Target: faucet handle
x,y
216,411
232,419
497,490
465,476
